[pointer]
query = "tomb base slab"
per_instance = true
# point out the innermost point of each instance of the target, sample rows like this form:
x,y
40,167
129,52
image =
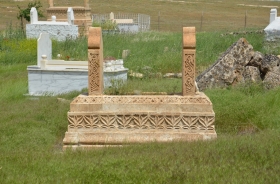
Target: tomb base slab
x,y
96,121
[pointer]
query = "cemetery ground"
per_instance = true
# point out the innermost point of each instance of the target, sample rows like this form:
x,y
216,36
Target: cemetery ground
x,y
167,15
32,128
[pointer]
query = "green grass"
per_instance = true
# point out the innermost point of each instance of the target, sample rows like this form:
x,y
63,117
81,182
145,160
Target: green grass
x,y
242,159
32,128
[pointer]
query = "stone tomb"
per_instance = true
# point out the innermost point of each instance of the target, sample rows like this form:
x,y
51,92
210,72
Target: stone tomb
x,y
82,15
57,30
53,77
272,31
100,120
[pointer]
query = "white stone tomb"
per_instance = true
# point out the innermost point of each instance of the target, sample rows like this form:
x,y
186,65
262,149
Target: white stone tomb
x,y
52,77
57,30
272,31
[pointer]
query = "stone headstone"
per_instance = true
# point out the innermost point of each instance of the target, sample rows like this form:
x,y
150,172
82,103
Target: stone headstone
x,y
33,15
125,53
273,15
70,16
44,47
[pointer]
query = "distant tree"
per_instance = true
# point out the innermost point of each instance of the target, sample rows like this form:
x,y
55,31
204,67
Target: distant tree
x,y
25,13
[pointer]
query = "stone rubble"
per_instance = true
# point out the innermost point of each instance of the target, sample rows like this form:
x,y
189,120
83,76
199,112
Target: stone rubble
x,y
239,64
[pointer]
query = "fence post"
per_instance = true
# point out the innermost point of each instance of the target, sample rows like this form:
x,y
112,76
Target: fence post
x,y
158,19
201,21
245,20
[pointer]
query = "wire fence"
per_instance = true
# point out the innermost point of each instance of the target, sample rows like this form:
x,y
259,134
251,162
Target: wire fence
x,y
208,21
126,21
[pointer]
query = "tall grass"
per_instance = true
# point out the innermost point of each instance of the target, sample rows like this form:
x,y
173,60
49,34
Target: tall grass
x,y
15,48
160,52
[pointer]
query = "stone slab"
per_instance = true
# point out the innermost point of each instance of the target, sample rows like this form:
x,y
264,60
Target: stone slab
x,y
100,139
57,81
110,120
137,103
44,47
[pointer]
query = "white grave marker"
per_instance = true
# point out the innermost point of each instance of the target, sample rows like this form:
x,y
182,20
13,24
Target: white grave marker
x,y
44,47
33,15
70,16
273,15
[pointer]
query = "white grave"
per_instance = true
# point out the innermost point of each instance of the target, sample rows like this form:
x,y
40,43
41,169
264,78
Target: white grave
x,y
272,31
52,77
57,30
125,25
44,47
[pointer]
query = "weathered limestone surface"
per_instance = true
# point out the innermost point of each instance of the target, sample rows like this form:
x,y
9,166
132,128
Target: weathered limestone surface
x,y
228,69
101,120
270,63
272,80
256,60
240,63
252,74
111,120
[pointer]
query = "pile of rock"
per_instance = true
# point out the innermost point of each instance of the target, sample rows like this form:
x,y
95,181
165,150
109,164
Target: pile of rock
x,y
239,64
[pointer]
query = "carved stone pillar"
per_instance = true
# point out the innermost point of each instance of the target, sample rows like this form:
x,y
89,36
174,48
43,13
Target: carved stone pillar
x,y
188,64
50,3
95,61
86,4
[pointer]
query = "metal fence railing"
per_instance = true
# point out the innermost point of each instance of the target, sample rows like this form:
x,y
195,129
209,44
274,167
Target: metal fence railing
x,y
133,21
